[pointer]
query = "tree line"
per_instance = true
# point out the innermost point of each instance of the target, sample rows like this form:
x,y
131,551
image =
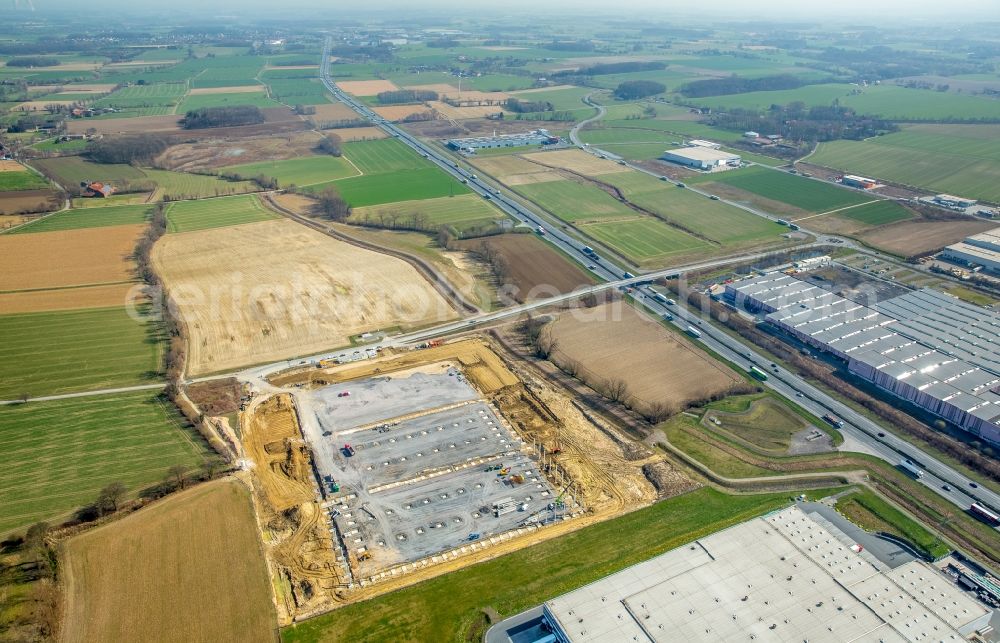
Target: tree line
x,y
635,89
603,69
138,148
233,116
402,96
740,85
525,106
795,121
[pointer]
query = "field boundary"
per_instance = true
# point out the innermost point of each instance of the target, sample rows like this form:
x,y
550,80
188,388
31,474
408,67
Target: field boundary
x,y
846,207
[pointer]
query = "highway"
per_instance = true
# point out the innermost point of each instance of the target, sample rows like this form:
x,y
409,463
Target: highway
x,y
884,444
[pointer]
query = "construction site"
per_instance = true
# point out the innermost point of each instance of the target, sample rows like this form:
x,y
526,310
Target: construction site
x,y
376,474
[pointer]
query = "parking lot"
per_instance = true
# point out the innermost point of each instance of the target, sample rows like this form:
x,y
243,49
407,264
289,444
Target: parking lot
x,y
429,462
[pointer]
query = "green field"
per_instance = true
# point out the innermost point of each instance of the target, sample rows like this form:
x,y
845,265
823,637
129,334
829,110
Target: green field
x,y
872,513
71,170
58,455
567,98
374,189
300,171
185,216
887,101
144,100
877,213
391,171
62,352
958,159
199,101
807,194
298,91
717,221
461,212
645,240
446,608
575,202
179,185
88,218
21,180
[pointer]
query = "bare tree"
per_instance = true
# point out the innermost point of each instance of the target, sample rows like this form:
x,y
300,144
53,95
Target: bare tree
x,y
616,389
177,474
211,468
545,345
571,367
110,497
657,412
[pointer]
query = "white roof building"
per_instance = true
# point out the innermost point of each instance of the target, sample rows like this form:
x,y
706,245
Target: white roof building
x,y
702,158
782,577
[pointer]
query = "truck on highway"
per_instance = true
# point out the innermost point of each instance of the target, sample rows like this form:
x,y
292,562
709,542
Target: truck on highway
x,y
627,275
758,373
659,297
692,331
587,250
834,420
907,465
540,231
668,317
984,514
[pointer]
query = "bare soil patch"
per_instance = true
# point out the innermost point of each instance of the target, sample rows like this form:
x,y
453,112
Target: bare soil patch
x,y
614,342
367,87
11,166
297,203
294,292
210,154
68,257
909,238
216,397
333,112
82,88
464,113
39,105
534,270
33,301
22,201
137,125
541,89
189,568
350,134
577,161
238,89
399,112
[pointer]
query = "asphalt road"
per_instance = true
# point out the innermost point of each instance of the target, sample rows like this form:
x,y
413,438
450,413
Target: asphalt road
x,y
884,444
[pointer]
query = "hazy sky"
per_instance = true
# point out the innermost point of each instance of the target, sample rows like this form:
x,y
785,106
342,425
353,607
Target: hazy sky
x,y
978,10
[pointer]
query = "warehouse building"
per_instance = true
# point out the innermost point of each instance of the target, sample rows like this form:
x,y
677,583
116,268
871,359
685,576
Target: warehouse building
x,y
954,202
978,250
702,158
928,348
534,137
782,577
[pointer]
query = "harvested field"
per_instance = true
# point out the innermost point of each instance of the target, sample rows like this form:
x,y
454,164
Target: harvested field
x,y
305,292
577,161
399,112
30,201
238,89
39,105
32,301
910,238
472,96
216,589
440,88
530,178
333,112
537,90
654,364
137,125
297,203
11,166
534,269
349,134
210,154
514,170
464,113
68,258
366,87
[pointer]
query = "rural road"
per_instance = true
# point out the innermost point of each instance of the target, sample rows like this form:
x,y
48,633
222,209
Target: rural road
x,y
103,391
789,385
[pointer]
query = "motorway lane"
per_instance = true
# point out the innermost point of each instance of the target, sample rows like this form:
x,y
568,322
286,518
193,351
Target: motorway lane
x,y
889,447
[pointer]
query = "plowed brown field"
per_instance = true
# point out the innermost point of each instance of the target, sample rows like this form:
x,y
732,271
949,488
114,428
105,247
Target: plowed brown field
x,y
333,112
399,112
613,341
909,238
577,161
266,291
216,153
367,87
68,257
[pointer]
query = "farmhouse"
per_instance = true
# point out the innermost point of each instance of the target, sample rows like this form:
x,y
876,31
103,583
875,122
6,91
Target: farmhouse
x,y
96,189
930,349
978,250
786,576
702,158
534,137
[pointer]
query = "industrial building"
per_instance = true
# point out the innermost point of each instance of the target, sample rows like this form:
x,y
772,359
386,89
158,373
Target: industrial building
x,y
782,577
981,249
534,137
853,181
954,202
697,142
928,348
702,158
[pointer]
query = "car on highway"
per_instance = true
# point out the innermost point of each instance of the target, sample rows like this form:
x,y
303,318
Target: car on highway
x,y
714,197
591,267
663,178
973,485
946,487
881,434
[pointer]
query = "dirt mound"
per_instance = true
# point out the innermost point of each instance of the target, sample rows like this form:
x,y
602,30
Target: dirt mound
x,y
667,480
216,397
213,153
